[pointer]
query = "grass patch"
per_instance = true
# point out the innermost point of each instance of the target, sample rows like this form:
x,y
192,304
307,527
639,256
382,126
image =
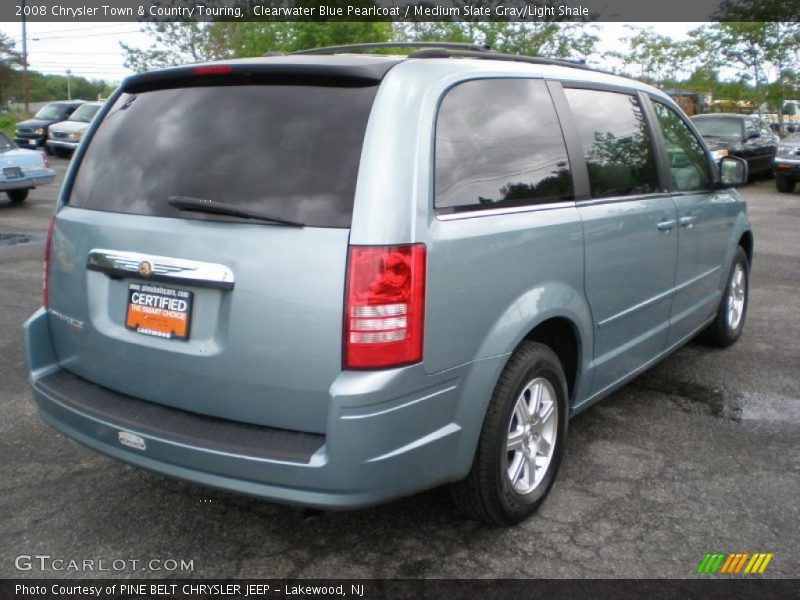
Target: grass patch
x,y
7,123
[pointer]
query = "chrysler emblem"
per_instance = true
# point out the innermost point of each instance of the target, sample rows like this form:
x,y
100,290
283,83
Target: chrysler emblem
x,y
145,269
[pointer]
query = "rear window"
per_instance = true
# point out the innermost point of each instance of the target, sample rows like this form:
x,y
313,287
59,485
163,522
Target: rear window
x,y
287,151
719,127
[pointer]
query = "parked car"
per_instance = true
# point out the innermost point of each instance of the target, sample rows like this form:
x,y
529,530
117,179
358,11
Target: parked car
x,y
32,133
787,163
396,273
21,170
65,136
745,136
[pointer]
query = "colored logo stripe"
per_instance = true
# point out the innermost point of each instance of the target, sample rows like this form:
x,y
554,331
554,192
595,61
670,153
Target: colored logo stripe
x,y
732,563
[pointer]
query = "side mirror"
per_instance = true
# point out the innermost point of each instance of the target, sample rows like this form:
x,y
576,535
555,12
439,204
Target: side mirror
x,y
732,171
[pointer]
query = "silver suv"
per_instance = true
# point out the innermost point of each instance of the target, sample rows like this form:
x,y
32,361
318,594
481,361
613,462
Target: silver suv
x,y
335,279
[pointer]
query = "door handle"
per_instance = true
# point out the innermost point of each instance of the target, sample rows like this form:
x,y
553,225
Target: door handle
x,y
666,225
688,221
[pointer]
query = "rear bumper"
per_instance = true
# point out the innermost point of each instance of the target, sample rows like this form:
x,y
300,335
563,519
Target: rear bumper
x,y
389,433
41,177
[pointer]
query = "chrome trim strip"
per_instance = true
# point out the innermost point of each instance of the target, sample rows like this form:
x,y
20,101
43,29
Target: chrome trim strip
x,y
791,161
657,298
631,198
163,268
469,214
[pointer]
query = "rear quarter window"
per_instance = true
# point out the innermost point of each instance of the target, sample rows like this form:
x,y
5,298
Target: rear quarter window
x,y
499,144
289,151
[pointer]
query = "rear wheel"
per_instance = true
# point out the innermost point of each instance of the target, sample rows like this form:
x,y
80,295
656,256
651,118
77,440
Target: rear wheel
x,y
729,322
522,440
17,195
785,184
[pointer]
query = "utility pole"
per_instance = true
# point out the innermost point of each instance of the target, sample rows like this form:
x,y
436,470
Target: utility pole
x,y
24,61
69,89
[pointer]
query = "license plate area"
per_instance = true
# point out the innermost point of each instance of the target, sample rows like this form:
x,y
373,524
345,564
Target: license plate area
x,y
12,172
159,311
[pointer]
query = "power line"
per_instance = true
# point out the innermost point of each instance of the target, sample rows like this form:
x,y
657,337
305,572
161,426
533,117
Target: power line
x,y
77,30
64,37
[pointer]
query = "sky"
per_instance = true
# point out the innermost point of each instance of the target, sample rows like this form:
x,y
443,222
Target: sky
x,y
92,50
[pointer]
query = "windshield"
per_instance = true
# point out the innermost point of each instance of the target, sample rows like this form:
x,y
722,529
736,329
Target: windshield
x,y
719,127
85,113
287,151
52,111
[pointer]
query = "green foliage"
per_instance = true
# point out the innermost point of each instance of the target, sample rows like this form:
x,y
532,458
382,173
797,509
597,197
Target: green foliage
x,y
9,59
7,123
541,38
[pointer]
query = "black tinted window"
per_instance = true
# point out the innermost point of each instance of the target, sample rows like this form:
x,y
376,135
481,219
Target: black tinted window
x,y
616,143
499,144
688,166
286,151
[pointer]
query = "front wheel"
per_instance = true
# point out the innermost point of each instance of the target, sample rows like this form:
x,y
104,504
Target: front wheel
x,y
522,440
729,322
17,195
785,184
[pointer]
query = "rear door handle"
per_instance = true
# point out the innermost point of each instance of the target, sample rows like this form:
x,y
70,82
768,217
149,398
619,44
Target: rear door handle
x,y
666,225
688,221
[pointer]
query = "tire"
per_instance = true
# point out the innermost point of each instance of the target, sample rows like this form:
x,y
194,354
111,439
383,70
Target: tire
x,y
729,321
17,196
487,493
47,150
785,184
62,152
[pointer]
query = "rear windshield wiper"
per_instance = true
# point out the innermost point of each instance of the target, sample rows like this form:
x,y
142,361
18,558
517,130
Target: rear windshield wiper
x,y
221,208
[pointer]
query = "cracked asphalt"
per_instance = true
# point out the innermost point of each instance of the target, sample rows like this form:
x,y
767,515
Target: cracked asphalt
x,y
699,454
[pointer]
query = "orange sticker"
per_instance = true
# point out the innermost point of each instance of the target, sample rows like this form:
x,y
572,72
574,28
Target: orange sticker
x,y
158,311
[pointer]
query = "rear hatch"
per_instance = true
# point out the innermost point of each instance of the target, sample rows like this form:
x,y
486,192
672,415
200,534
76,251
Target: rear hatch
x,y
219,314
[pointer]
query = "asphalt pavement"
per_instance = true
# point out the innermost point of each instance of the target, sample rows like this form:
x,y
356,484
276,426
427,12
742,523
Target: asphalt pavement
x,y
700,454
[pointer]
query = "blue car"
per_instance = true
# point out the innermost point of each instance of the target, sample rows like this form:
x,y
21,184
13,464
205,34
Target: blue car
x,y
21,170
333,280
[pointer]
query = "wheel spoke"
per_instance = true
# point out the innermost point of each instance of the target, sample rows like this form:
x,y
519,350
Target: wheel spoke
x,y
521,411
515,439
546,412
517,467
530,461
536,402
544,447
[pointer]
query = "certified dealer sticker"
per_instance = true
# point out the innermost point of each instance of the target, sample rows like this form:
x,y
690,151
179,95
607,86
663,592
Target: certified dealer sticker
x,y
126,438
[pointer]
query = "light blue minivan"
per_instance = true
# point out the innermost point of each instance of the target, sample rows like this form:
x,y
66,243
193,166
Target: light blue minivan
x,y
333,279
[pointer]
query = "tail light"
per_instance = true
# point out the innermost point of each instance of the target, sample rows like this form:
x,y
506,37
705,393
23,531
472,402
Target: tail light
x,y
212,70
45,162
384,307
47,261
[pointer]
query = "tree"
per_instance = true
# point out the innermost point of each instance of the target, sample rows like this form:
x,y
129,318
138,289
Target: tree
x,y
653,57
761,50
9,59
176,44
541,38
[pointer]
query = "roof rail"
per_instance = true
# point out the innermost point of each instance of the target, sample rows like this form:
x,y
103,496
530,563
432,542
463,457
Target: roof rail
x,y
453,50
490,55
379,45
